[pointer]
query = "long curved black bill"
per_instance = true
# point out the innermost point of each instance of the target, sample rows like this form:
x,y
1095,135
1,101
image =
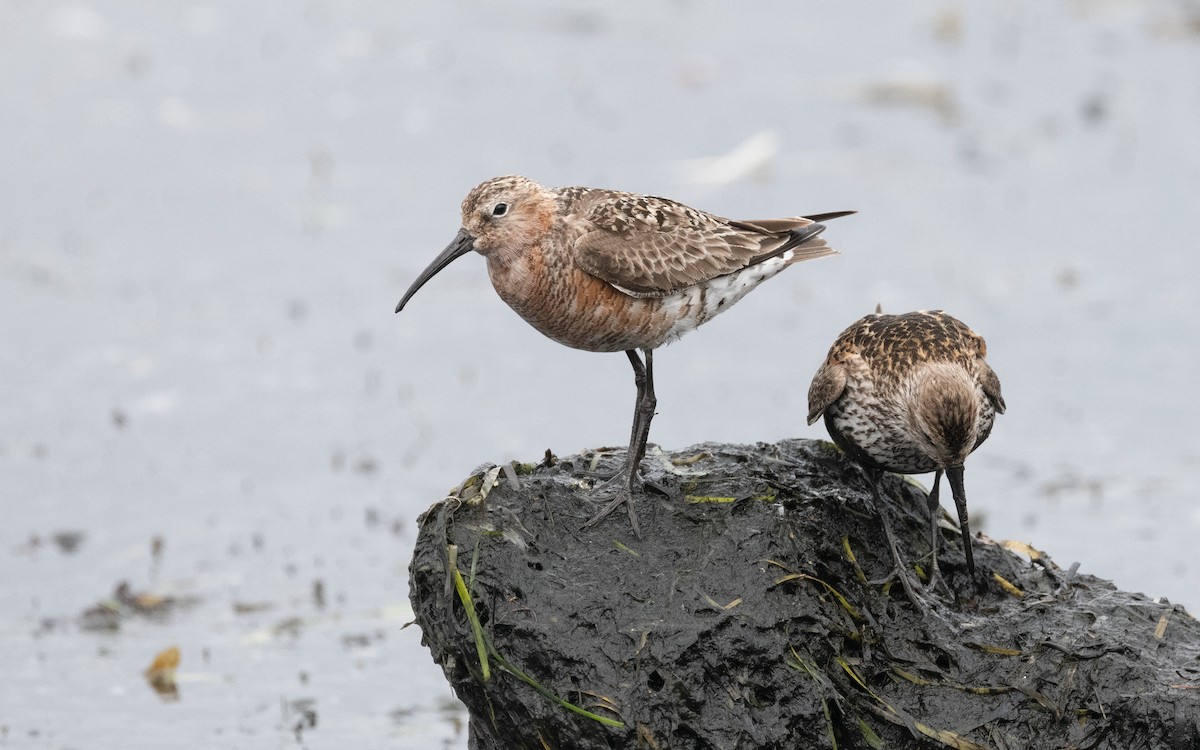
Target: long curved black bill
x,y
462,244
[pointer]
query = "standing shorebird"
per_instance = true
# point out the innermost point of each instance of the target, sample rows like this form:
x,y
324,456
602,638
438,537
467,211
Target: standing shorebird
x,y
909,393
606,271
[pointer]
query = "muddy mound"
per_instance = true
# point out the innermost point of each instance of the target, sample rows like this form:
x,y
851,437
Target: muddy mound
x,y
758,611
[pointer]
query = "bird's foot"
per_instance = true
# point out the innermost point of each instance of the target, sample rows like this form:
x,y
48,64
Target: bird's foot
x,y
923,598
937,583
916,593
901,570
608,481
609,478
624,482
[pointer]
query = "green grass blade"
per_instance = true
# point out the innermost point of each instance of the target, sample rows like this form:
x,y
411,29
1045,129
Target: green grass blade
x,y
476,627
546,692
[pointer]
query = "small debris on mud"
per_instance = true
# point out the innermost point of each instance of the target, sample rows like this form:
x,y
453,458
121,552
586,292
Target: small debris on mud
x,y
300,715
108,614
161,674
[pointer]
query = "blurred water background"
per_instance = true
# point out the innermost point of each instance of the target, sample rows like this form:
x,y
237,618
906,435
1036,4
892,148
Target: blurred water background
x,y
209,210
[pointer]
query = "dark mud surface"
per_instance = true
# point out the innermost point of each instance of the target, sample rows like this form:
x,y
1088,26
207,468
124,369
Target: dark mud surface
x,y
756,610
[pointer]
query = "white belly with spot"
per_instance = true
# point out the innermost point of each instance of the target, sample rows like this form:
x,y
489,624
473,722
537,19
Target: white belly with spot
x,y
700,303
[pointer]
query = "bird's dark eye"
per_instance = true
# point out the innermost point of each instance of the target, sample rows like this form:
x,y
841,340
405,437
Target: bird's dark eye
x,y
499,209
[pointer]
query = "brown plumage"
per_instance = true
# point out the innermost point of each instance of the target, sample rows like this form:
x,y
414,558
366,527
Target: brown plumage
x,y
607,271
909,393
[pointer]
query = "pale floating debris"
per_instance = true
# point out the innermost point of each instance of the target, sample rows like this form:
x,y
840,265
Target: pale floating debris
x,y
750,158
913,88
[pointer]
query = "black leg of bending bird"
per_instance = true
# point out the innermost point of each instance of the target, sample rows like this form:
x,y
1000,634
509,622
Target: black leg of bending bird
x,y
935,572
901,566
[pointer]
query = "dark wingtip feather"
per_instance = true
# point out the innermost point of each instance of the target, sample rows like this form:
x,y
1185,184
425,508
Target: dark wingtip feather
x,y
830,215
800,236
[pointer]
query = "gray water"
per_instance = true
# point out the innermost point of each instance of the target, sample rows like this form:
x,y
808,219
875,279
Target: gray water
x,y
208,212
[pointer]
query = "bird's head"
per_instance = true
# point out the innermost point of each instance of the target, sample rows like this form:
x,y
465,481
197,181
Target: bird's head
x,y
943,412
501,218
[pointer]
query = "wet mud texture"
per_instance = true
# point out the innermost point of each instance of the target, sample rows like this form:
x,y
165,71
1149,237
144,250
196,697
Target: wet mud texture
x,y
754,614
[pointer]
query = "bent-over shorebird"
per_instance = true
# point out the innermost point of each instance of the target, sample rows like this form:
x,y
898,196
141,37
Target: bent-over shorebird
x,y
910,394
607,271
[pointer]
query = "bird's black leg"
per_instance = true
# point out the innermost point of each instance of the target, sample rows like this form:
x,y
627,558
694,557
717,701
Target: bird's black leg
x,y
643,377
646,405
901,566
955,475
935,572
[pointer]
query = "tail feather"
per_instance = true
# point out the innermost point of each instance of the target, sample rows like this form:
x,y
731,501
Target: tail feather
x,y
805,244
811,250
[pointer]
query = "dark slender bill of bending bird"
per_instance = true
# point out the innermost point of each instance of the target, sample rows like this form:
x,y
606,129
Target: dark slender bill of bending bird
x,y
607,271
909,394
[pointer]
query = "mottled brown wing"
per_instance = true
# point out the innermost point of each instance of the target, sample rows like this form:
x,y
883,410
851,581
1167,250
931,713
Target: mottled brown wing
x,y
827,387
655,246
991,386
890,341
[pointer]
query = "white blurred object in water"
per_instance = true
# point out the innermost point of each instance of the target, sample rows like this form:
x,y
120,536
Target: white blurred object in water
x,y
750,158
